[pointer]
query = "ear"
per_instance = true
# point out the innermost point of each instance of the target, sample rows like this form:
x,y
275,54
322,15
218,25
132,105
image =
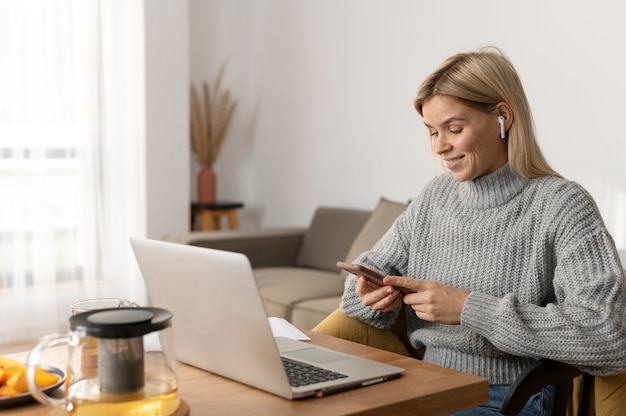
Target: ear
x,y
504,110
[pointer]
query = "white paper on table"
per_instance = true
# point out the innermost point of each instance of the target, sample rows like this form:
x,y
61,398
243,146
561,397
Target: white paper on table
x,y
283,328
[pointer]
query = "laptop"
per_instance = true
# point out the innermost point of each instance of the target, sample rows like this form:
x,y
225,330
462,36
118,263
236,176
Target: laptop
x,y
220,324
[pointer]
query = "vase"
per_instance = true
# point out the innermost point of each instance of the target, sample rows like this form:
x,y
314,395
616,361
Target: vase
x,y
206,186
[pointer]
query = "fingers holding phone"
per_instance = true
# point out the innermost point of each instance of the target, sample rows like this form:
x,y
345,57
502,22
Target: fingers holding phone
x,y
379,298
373,276
371,289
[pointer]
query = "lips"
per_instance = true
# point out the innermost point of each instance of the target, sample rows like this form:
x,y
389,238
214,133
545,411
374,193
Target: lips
x,y
453,162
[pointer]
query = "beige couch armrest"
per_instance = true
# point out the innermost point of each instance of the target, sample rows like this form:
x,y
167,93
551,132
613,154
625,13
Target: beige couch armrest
x,y
272,247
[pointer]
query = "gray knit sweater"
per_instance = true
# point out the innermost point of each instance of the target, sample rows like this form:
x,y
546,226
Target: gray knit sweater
x,y
543,274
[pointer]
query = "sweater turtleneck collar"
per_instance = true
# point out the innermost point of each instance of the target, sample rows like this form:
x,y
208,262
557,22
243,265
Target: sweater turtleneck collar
x,y
492,190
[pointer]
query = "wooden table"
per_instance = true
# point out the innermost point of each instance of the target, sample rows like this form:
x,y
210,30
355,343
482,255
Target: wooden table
x,y
211,214
423,389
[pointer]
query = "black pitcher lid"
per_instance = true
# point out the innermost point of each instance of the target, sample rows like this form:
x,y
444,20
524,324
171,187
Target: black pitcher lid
x,y
121,322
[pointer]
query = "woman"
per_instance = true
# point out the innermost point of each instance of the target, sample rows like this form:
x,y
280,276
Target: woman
x,y
509,261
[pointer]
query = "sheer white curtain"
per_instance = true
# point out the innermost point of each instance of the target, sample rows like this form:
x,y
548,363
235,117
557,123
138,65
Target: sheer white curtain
x,y
70,146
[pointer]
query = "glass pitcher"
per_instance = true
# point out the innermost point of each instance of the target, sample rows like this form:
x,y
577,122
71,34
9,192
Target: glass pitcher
x,y
136,371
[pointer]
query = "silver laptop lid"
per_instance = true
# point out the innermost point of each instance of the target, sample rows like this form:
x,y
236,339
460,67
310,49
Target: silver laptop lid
x,y
236,344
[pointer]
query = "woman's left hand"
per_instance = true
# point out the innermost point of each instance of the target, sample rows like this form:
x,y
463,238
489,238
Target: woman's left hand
x,y
432,301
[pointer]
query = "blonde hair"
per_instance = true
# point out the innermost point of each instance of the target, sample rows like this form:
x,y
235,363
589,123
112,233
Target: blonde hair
x,y
483,79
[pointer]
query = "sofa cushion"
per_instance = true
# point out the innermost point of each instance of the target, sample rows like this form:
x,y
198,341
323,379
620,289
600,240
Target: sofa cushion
x,y
307,314
330,234
376,226
283,287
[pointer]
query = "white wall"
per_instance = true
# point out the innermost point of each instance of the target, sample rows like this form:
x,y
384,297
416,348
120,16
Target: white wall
x,y
326,88
167,117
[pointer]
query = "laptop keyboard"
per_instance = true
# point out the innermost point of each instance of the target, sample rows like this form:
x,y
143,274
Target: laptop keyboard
x,y
301,374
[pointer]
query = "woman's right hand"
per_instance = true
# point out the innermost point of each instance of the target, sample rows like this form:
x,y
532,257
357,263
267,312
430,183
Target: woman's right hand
x,y
379,298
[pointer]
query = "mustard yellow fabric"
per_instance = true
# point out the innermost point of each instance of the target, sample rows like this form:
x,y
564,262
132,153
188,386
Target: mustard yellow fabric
x,y
395,339
342,326
610,395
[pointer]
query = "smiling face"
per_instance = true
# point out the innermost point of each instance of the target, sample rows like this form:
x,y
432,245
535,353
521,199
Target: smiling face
x,y
468,140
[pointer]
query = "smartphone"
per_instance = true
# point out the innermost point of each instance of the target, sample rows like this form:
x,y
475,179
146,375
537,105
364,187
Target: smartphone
x,y
372,275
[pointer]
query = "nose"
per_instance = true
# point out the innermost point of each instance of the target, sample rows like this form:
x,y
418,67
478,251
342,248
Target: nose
x,y
440,144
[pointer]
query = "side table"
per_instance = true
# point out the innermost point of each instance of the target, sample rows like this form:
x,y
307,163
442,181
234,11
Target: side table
x,y
210,214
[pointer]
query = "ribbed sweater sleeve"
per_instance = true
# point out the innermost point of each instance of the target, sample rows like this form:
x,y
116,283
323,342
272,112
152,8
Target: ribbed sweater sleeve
x,y
541,268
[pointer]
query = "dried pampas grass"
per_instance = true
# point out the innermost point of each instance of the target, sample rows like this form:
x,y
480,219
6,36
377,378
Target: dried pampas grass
x,y
209,125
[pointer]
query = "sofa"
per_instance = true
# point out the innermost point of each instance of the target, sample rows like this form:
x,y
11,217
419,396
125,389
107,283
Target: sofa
x,y
295,267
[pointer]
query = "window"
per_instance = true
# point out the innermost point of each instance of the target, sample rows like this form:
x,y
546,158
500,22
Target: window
x,y
59,79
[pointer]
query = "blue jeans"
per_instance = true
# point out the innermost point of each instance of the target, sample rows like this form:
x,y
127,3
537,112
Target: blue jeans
x,y
539,404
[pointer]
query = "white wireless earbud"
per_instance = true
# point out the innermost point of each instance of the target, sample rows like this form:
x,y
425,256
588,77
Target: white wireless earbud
x,y
502,131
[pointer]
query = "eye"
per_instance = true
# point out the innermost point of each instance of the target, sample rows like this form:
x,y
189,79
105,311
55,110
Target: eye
x,y
456,131
434,133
